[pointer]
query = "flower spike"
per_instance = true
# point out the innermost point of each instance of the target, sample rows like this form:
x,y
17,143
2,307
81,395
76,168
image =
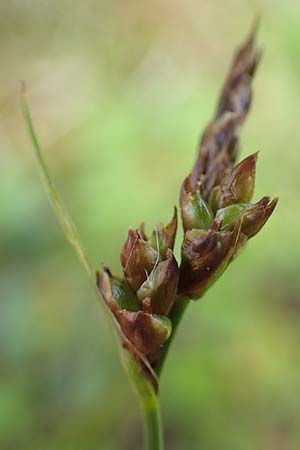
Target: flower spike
x,y
142,300
217,215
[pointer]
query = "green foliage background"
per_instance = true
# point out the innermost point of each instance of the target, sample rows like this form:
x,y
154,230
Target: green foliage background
x,y
120,91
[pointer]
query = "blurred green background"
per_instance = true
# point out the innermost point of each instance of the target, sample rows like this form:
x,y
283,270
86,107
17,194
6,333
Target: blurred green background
x,y
120,91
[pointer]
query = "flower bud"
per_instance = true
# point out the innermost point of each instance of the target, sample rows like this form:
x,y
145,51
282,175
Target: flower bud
x,y
140,254
196,213
147,332
162,237
205,256
138,259
253,216
229,215
116,292
238,185
161,286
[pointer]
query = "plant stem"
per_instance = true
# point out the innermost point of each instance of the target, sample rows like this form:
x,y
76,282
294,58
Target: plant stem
x,y
149,402
152,424
176,316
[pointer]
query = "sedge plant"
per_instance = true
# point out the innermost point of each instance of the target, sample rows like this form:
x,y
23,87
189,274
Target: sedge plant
x,y
146,304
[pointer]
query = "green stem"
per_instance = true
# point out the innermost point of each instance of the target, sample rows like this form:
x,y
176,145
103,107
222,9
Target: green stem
x,y
152,424
176,316
149,402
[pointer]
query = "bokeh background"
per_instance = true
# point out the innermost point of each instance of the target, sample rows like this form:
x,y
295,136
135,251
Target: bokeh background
x,y
120,91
